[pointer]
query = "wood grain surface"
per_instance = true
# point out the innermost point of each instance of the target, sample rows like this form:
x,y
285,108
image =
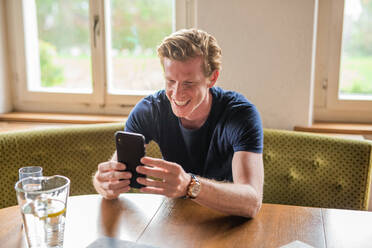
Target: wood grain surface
x,y
183,223
343,128
89,217
124,218
162,222
61,118
11,229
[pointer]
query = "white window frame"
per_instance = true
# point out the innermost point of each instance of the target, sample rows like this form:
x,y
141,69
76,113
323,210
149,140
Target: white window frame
x,y
99,101
184,17
328,106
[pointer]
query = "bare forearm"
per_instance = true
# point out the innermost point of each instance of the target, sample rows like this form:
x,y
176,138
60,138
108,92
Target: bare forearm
x,y
234,199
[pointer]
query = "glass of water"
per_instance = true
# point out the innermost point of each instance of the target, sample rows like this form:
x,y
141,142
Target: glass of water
x,y
43,209
30,171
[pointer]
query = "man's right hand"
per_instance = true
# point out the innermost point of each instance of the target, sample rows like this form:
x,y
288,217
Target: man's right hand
x,y
109,181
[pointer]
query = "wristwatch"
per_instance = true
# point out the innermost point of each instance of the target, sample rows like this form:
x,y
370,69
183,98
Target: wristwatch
x,y
194,187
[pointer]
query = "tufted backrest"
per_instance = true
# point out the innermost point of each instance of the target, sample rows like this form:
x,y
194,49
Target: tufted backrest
x,y
313,170
72,151
300,168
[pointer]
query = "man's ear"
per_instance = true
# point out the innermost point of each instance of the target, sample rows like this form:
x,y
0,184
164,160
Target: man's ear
x,y
213,78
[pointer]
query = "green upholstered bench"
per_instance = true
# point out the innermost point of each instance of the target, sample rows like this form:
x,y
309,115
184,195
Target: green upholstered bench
x,y
314,170
300,169
72,151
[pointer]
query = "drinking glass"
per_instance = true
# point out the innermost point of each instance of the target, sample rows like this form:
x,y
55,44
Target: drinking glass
x,y
43,209
30,171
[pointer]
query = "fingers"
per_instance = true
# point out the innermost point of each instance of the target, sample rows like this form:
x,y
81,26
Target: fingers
x,y
155,172
151,182
114,175
110,171
110,189
160,163
158,187
111,165
174,179
115,185
109,181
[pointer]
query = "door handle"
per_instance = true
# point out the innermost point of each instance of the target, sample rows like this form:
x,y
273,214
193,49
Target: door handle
x,y
95,30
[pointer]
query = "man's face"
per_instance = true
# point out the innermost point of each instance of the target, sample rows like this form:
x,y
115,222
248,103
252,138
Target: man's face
x,y
187,88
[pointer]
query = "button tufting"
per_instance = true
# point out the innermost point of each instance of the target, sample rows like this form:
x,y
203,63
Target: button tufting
x,y
87,148
267,157
339,187
316,164
290,177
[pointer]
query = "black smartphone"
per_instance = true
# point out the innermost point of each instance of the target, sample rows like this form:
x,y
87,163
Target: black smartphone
x,y
130,148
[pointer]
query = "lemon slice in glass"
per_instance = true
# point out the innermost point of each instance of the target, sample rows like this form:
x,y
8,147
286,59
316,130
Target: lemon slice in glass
x,y
54,208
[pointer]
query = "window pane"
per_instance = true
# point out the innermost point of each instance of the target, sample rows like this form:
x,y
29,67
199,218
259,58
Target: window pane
x,y
137,27
356,57
63,33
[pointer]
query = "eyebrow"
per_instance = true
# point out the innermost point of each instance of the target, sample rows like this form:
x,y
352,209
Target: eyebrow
x,y
187,80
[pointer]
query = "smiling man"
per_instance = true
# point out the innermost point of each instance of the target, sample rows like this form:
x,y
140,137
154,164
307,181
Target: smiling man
x,y
211,139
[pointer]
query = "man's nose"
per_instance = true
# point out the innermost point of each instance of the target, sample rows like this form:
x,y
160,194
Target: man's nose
x,y
177,91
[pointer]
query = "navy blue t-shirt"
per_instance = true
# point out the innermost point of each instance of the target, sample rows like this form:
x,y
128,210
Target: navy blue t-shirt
x,y
233,125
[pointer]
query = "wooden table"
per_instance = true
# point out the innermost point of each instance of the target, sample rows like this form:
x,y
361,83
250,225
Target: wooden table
x,y
162,222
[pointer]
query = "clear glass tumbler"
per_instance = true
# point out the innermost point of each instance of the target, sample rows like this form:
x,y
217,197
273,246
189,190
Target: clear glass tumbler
x,y
43,209
30,171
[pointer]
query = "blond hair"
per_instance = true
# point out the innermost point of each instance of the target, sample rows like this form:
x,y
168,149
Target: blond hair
x,y
190,43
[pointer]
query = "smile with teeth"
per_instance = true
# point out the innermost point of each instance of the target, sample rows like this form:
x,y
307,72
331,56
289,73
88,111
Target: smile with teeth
x,y
181,103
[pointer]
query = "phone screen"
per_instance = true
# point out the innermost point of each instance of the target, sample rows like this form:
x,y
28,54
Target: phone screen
x,y
130,148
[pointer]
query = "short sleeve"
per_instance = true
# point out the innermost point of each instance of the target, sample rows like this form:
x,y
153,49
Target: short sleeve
x,y
142,119
245,130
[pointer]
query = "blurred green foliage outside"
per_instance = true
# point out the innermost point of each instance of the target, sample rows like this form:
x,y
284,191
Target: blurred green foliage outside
x,y
361,78
137,27
356,61
51,74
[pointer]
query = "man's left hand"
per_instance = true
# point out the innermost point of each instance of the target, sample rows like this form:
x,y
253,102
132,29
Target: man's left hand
x,y
173,179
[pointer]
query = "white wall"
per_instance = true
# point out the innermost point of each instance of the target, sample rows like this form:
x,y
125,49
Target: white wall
x,y
5,94
267,54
